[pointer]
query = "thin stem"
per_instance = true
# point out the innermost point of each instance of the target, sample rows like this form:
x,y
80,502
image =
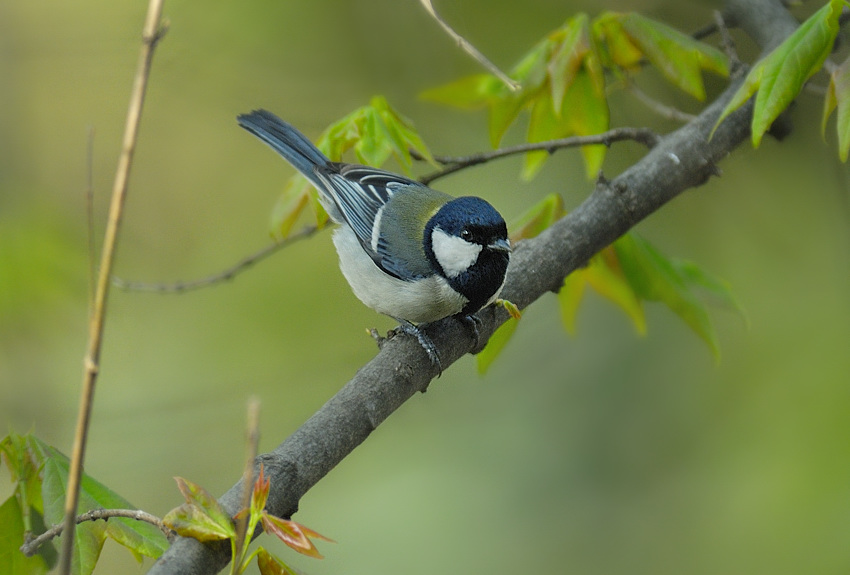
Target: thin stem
x,y
152,32
221,276
30,547
245,524
467,47
659,108
454,164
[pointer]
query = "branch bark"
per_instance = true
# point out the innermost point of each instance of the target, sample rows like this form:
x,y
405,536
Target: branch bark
x,y
683,159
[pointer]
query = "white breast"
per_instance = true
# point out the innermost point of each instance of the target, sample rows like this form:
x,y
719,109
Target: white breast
x,y
419,301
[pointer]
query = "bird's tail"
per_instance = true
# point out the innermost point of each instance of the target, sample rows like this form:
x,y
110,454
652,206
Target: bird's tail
x,y
286,141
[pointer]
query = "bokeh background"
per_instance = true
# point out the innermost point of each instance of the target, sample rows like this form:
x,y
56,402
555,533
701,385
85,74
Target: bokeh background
x,y
603,453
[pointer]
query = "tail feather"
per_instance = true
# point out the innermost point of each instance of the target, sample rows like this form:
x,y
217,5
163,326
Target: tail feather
x,y
286,141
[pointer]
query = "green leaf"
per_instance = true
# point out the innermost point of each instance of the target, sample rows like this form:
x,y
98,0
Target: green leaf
x,y
290,206
271,565
374,132
604,274
539,217
679,57
469,93
140,538
12,561
780,75
568,56
569,298
201,517
43,471
719,291
655,278
495,345
838,95
617,49
588,114
24,455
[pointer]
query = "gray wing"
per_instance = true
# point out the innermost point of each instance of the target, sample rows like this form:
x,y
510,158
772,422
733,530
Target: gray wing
x,y
360,194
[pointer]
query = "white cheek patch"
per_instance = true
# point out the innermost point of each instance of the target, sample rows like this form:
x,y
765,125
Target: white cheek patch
x,y
455,255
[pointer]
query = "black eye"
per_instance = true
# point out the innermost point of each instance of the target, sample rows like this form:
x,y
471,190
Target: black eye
x,y
466,234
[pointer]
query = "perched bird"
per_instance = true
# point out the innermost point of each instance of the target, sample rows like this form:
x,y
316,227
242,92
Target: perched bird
x,y
410,252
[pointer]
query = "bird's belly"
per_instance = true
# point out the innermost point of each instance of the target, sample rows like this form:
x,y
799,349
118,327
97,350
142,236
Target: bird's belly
x,y
418,301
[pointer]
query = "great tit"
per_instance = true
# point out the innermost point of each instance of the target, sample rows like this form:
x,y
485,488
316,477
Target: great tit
x,y
410,252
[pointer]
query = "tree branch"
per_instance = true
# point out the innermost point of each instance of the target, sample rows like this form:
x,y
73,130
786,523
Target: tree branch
x,y
684,159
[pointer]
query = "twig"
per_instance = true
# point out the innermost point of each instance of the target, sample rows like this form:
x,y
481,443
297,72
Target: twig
x,y
659,108
470,49
32,545
727,43
252,440
90,215
643,135
221,276
705,31
152,33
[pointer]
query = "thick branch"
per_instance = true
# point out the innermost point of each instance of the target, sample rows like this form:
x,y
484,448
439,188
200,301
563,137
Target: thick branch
x,y
682,160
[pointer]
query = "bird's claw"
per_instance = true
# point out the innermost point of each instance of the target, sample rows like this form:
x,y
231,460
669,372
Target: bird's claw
x,y
472,322
425,341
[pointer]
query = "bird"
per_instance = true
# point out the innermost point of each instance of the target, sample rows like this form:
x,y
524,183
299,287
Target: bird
x,y
408,251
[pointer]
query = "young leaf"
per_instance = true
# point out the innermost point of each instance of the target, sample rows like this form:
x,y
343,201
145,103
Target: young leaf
x,y
605,276
563,83
271,565
469,93
780,75
495,345
201,517
655,278
568,56
538,218
24,455
838,95
717,289
260,493
293,534
12,531
139,537
569,298
678,56
374,132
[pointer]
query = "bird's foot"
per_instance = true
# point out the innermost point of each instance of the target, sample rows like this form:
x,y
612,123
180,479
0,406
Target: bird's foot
x,y
425,341
472,322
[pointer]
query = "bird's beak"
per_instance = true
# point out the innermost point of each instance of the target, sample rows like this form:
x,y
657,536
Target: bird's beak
x,y
501,245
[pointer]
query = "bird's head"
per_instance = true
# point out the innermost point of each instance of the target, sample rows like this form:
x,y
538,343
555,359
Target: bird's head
x,y
467,243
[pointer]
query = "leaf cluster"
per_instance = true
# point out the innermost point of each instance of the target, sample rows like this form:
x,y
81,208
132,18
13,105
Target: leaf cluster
x,y
566,78
203,518
375,133
628,273
40,473
778,78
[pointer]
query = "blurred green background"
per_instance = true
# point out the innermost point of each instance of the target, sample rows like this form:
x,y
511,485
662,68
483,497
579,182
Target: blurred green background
x,y
606,453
